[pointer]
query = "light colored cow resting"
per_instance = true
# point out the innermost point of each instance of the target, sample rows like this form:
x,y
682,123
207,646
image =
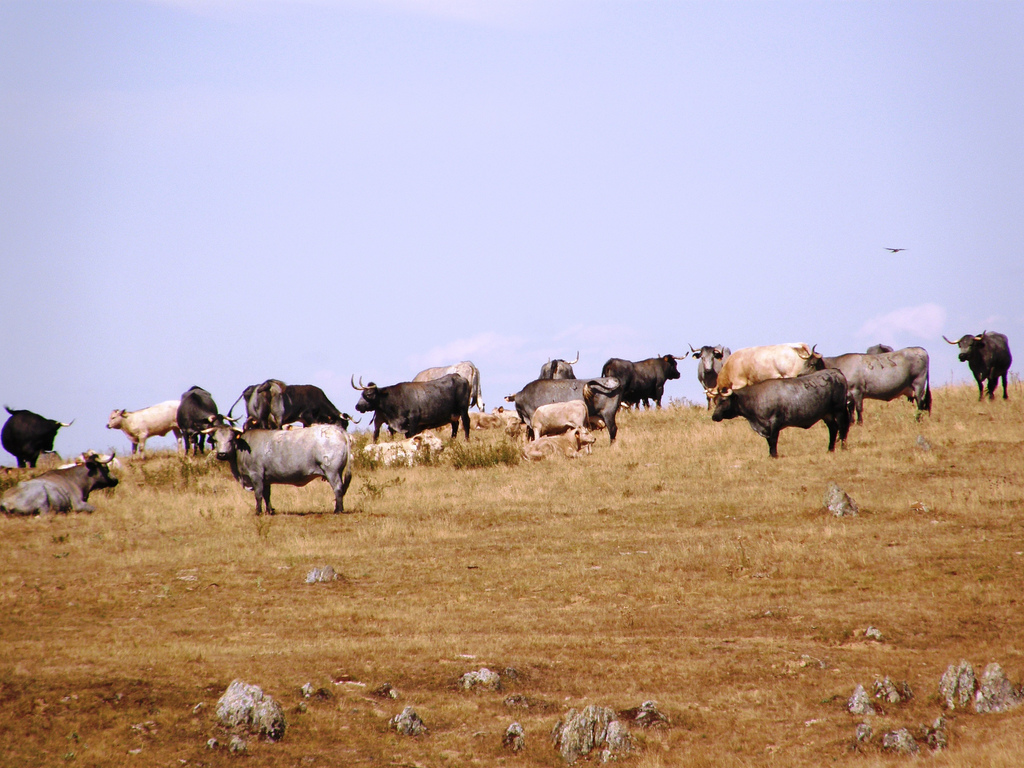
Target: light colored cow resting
x,y
139,426
569,444
486,420
556,418
403,451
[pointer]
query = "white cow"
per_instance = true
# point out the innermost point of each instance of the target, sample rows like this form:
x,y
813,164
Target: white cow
x,y
568,444
556,418
139,426
466,370
403,451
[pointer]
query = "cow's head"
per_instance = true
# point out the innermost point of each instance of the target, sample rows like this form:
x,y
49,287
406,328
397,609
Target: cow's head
x,y
669,365
711,358
813,360
98,470
725,404
225,437
370,400
968,344
584,439
116,419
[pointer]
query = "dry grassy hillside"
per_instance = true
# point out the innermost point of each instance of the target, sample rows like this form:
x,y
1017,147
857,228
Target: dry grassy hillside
x,y
682,565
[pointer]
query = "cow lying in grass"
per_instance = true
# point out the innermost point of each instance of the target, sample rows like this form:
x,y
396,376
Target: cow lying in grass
x,y
569,444
404,451
60,490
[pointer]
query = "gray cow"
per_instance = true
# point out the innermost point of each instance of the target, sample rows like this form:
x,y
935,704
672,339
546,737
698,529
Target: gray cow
x,y
602,396
711,361
60,490
885,377
261,457
771,406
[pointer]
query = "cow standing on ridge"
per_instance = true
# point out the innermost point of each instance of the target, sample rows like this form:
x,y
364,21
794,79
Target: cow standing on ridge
x,y
755,364
25,435
643,381
885,377
558,368
772,405
988,356
411,407
711,361
196,413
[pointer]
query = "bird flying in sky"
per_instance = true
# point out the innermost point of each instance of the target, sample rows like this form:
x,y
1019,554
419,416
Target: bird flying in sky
x,y
895,250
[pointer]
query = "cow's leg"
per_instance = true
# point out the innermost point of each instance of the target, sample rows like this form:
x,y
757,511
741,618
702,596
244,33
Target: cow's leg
x,y
773,443
1004,384
376,429
981,387
993,382
465,423
833,431
609,421
859,405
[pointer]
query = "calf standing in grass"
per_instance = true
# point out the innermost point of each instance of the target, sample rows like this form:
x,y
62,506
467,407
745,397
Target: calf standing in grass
x,y
261,457
556,418
771,406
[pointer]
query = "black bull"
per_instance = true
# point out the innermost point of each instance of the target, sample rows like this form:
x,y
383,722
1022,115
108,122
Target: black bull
x,y
644,380
988,356
602,396
414,406
25,435
771,406
559,369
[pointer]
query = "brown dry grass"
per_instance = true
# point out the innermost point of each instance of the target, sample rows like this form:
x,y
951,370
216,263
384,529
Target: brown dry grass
x,y
682,566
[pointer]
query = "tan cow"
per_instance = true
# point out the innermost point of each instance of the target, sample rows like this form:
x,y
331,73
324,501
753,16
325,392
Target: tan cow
x,y
404,451
754,364
556,418
485,421
568,444
139,426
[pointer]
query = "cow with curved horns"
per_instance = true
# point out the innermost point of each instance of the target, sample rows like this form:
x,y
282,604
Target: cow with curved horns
x,y
756,364
261,457
60,490
885,377
644,380
466,370
772,405
711,361
602,396
411,407
26,434
988,356
558,368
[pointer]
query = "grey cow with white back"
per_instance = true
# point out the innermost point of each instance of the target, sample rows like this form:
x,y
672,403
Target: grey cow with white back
x,y
262,457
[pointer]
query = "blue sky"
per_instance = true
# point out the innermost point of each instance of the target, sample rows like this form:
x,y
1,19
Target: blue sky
x,y
216,193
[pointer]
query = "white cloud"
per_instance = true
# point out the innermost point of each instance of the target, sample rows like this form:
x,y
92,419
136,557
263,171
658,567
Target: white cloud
x,y
481,346
922,322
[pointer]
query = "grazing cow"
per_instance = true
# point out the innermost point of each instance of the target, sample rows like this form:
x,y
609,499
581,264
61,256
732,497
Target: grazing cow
x,y
196,412
569,444
306,403
25,435
711,361
556,418
753,364
414,406
988,356
643,381
602,396
559,369
139,426
466,370
261,457
404,451
60,490
885,377
772,405
879,349
258,399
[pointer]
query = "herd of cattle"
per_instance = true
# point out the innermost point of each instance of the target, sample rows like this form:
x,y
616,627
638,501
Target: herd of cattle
x,y
772,387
